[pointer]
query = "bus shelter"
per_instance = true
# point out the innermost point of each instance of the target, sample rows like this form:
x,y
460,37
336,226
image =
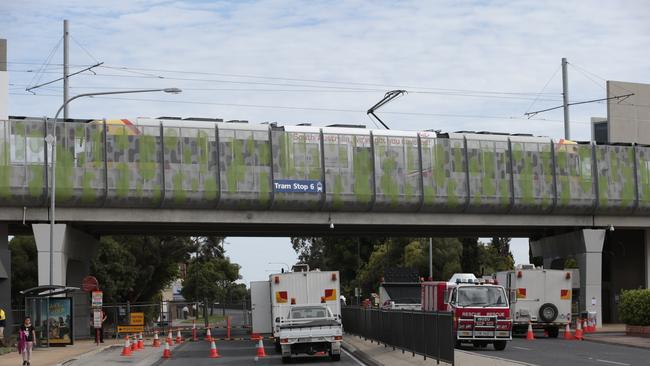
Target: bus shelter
x,y
51,310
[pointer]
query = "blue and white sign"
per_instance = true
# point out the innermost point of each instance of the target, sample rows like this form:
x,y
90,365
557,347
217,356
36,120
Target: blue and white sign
x,y
297,186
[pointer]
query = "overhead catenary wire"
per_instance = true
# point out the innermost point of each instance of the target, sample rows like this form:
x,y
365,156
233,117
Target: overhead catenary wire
x,y
544,88
324,109
39,74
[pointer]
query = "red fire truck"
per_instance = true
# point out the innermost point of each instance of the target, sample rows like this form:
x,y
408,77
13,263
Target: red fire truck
x,y
481,311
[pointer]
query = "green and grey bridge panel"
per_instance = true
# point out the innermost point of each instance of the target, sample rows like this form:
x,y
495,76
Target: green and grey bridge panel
x,y
238,166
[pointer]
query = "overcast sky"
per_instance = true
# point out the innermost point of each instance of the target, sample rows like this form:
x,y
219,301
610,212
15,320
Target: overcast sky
x,y
468,65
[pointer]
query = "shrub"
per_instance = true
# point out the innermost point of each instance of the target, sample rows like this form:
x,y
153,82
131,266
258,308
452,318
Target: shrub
x,y
634,307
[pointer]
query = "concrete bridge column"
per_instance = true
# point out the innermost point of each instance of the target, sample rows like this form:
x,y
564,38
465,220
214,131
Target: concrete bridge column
x,y
72,251
586,246
5,277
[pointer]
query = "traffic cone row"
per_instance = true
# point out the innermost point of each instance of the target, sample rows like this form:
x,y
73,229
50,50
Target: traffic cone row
x,y
170,339
579,334
530,336
167,353
567,333
156,341
134,344
208,335
213,350
591,326
140,342
260,349
179,338
126,351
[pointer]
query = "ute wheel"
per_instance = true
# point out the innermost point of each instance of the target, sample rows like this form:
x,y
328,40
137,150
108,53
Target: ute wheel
x,y
548,312
500,345
336,358
553,332
286,359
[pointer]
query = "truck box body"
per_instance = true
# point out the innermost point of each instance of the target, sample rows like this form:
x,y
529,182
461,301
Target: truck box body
x,y
293,288
539,296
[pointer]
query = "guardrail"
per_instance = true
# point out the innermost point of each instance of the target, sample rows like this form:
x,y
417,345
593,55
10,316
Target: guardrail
x,y
428,334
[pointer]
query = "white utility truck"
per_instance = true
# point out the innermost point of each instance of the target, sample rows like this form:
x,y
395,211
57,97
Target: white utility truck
x,y
541,297
310,329
272,300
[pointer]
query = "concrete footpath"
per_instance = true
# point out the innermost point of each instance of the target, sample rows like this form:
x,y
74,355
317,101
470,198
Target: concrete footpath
x,y
373,354
56,355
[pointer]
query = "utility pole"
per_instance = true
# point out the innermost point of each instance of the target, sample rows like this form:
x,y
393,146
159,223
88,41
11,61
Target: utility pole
x,y
565,99
431,259
65,68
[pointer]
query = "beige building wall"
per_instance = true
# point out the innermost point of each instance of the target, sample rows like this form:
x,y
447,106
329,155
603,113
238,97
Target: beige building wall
x,y
629,118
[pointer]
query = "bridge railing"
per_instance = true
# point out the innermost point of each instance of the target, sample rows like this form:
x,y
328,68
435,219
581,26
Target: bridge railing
x,y
428,334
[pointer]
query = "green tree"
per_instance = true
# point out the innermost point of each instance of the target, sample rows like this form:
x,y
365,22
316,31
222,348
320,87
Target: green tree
x,y
24,267
470,256
445,257
138,268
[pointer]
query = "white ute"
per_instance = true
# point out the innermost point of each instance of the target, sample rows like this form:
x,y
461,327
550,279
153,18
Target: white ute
x,y
310,329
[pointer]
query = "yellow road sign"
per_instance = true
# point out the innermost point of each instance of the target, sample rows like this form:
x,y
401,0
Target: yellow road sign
x,y
137,319
130,328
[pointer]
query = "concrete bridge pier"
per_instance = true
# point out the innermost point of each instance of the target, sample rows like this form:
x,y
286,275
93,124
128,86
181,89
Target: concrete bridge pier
x,y
72,251
586,246
5,277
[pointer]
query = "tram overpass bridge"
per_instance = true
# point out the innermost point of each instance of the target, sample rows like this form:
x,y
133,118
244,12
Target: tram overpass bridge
x,y
153,176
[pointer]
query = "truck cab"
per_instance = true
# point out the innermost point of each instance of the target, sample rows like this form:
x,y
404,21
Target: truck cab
x,y
481,312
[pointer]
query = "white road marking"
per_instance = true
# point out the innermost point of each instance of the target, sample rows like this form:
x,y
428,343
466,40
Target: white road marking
x,y
613,362
524,348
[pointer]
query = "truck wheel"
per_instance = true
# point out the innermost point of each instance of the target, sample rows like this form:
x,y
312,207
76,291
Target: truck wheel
x,y
500,345
548,312
286,359
553,332
336,358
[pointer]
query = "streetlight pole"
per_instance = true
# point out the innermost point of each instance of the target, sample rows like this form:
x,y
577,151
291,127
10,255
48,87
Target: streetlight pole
x,y
51,140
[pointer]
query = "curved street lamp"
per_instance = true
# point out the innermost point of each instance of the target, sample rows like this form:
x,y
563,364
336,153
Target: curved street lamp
x,y
51,140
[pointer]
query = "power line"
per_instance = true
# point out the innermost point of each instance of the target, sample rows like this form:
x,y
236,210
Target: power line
x,y
39,74
323,109
544,88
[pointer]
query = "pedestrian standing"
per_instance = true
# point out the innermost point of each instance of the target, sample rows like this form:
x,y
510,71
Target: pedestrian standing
x,y
3,320
101,330
26,340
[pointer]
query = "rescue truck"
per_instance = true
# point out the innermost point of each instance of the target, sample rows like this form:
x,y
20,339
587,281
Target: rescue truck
x,y
481,314
272,300
541,297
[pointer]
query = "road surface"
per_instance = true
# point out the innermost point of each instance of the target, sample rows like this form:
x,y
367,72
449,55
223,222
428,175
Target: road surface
x,y
556,352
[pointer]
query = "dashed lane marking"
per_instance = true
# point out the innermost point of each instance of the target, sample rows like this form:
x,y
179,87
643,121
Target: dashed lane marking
x,y
524,348
613,362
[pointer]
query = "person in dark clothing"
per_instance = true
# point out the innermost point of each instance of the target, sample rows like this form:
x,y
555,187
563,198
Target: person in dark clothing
x,y
26,340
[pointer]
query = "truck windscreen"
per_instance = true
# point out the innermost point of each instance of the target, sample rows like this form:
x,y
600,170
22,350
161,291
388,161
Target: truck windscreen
x,y
481,296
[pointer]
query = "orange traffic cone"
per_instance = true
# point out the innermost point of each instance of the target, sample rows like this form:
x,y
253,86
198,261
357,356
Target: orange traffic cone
x,y
134,344
170,339
156,340
567,332
208,335
194,337
126,351
578,334
179,339
260,349
167,353
213,350
592,325
529,335
140,342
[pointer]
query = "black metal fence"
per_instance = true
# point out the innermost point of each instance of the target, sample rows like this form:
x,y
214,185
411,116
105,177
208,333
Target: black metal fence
x,y
428,334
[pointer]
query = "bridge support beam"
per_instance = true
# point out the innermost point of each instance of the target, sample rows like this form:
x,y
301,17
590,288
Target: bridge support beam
x,y
72,251
5,278
586,246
